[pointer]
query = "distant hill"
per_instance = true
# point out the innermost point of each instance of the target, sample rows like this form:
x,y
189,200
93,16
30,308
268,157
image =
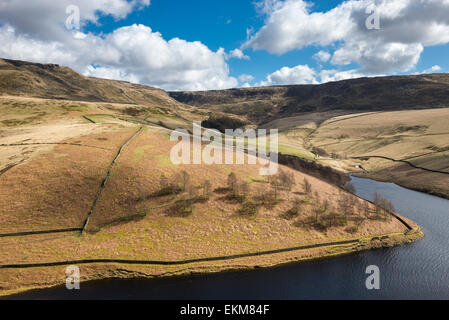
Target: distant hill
x,y
52,81
358,95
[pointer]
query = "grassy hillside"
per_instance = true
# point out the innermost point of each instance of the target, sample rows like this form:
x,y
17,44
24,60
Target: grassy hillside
x,y
356,95
409,147
420,138
49,81
60,176
328,123
400,117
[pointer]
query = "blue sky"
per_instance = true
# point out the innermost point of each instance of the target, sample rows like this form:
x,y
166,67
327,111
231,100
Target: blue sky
x,y
217,24
285,36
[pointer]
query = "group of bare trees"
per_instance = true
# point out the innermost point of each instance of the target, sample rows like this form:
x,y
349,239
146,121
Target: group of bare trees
x,y
324,214
381,210
283,181
279,183
348,207
383,207
181,183
350,188
239,188
184,191
252,200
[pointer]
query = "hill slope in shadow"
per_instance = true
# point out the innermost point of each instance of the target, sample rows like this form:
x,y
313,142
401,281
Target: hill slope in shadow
x,y
355,95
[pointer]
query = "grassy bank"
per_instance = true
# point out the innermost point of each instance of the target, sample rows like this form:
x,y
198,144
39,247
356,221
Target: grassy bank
x,y
131,271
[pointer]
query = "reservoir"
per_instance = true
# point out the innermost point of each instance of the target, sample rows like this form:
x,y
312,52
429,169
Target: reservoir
x,y
418,270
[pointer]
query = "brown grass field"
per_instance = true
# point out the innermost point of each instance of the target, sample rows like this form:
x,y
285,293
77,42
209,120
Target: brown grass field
x,y
54,186
420,137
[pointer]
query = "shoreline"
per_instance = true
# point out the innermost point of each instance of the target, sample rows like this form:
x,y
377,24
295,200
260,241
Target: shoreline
x,y
118,271
110,270
413,188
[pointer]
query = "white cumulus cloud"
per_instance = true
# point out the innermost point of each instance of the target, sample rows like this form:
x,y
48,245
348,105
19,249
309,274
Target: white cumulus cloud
x,y
246,78
238,54
434,69
322,56
406,28
301,74
335,75
134,53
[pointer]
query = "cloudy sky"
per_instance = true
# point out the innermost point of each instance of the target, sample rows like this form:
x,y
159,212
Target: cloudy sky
x,y
216,44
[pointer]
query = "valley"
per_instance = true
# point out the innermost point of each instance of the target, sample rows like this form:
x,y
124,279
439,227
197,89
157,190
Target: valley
x,y
86,178
405,143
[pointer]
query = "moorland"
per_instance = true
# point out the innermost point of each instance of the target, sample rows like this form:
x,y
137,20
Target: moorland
x,y
86,177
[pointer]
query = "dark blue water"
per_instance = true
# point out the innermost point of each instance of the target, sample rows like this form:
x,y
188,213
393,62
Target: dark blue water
x,y
415,271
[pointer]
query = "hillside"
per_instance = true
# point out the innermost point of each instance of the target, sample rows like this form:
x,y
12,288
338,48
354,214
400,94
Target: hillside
x,y
309,117
135,208
387,128
410,148
50,81
87,180
355,95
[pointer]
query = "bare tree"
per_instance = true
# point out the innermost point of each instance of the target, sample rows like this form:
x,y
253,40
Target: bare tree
x,y
207,187
345,205
286,180
383,206
317,197
245,188
307,186
168,187
184,178
357,206
275,184
163,182
192,191
367,210
232,182
350,188
326,205
318,211
295,210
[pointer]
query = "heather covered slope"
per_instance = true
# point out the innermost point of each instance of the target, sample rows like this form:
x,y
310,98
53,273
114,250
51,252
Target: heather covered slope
x,y
355,95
